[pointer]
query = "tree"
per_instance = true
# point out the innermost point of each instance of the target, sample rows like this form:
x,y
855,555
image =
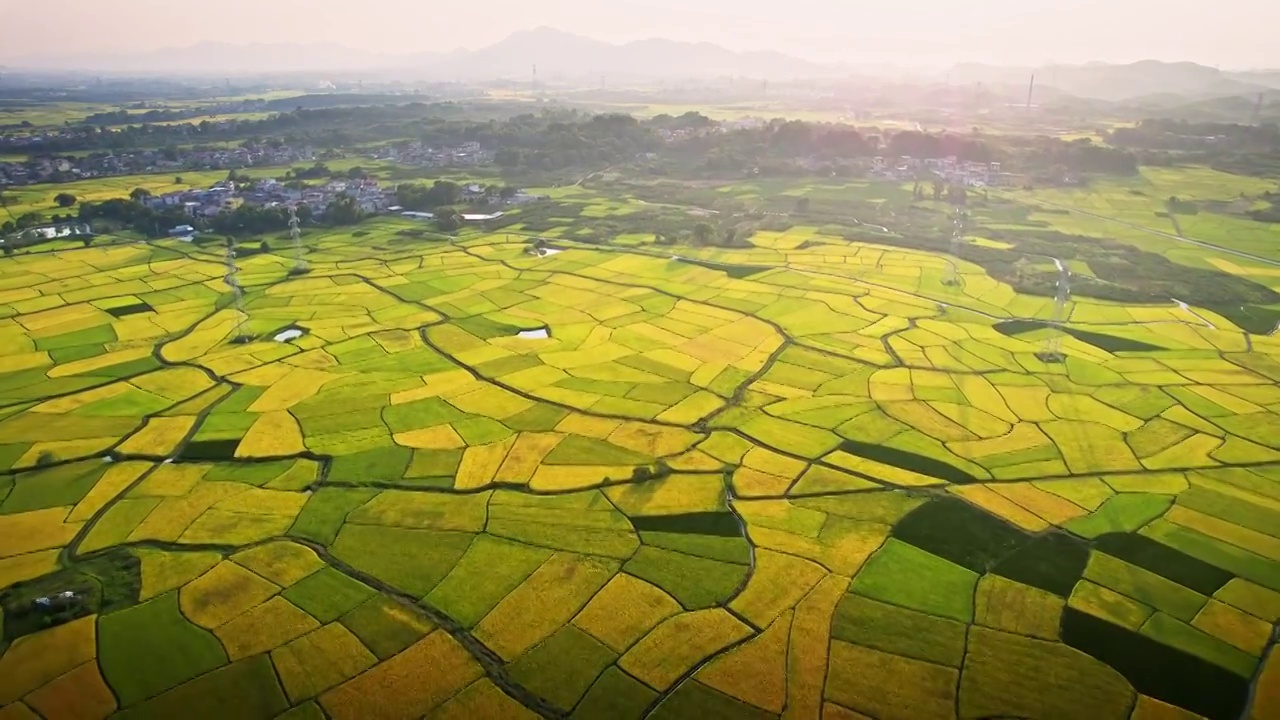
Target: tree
x,y
802,205
444,192
64,200
139,194
702,233
415,196
507,157
342,211
177,180
448,220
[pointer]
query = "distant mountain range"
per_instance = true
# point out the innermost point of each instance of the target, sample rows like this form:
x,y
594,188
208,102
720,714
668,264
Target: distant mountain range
x,y
556,54
213,58
561,55
1147,78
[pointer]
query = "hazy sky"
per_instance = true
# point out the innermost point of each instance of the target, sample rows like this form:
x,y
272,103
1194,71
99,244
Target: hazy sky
x,y
1230,33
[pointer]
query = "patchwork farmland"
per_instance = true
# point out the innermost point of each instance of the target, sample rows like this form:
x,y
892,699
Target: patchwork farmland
x,y
807,478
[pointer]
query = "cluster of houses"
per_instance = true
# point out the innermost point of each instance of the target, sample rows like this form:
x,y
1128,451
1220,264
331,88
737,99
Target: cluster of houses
x,y
417,154
132,162
199,203
226,196
52,231
369,194
950,169
476,195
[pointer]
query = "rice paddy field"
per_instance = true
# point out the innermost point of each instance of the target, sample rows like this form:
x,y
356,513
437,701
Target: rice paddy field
x,y
1134,207
805,479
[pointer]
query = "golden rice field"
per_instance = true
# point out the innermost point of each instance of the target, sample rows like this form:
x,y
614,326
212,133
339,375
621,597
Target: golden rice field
x,y
805,480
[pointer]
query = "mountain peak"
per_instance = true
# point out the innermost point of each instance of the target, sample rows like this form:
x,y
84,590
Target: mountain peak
x,y
561,54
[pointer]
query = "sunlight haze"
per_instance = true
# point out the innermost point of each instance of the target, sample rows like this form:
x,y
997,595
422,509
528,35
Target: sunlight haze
x,y
1230,33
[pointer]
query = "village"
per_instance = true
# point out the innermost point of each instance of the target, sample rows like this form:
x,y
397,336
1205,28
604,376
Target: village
x,y
59,169
950,169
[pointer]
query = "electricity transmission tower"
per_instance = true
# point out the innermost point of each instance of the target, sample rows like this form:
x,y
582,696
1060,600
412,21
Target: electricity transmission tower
x,y
1052,352
299,265
957,233
237,292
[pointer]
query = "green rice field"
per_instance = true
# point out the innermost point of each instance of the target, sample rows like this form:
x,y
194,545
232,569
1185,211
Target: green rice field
x,y
805,477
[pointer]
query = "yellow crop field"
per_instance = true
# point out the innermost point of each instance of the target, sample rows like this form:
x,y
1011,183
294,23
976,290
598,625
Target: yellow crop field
x,y
234,527
491,401
113,482
164,571
548,599
480,463
174,515
1049,507
750,483
624,611
679,643
298,385
778,583
25,567
525,456
36,530
1006,605
320,660
482,699
993,502
655,440
570,462
223,593
274,434
261,501
883,685
1266,546
87,366
159,437
1085,408
1091,447
81,693
928,420
674,495
36,659
756,671
808,647
1238,628
772,463
283,563
265,627
1023,436
201,340
437,437
400,685
554,478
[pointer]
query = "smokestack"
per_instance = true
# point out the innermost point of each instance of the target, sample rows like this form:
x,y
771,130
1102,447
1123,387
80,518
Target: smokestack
x,y
1031,89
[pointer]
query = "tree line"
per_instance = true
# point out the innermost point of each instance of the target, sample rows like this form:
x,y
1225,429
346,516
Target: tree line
x,y
555,139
